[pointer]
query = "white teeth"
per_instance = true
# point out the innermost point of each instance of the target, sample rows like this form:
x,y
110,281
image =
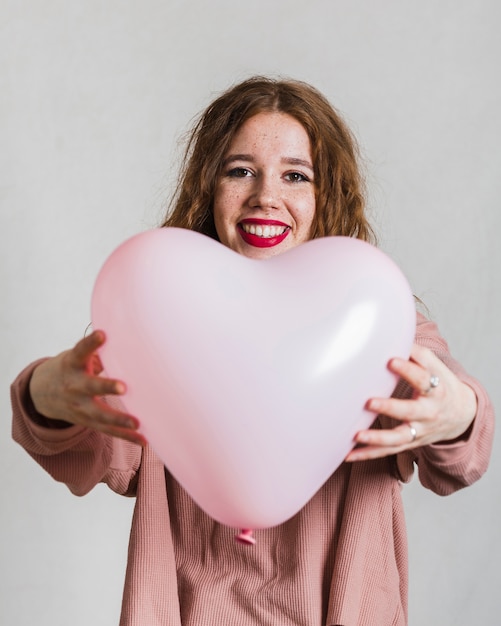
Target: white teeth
x,y
266,232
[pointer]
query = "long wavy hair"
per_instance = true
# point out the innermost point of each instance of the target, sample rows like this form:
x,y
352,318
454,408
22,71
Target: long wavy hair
x,y
339,185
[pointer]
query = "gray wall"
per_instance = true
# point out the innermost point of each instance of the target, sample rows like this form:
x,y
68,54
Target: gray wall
x,y
94,98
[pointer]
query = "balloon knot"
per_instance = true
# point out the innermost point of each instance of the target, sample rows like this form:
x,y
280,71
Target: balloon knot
x,y
245,537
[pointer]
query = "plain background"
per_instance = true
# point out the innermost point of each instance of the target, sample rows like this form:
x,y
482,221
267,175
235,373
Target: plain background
x,y
95,97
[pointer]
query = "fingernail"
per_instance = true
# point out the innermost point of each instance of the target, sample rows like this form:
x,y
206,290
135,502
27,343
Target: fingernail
x,y
374,405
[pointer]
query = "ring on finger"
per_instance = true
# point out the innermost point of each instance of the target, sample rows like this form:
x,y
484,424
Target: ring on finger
x,y
413,433
434,381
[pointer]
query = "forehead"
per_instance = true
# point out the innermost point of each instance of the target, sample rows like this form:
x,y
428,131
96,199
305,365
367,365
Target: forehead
x,y
272,130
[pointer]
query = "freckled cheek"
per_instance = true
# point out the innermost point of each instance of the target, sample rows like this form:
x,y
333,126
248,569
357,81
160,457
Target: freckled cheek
x,y
226,214
227,204
304,212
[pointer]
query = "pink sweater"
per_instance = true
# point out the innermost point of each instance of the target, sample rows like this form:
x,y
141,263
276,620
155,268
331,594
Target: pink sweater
x,y
342,560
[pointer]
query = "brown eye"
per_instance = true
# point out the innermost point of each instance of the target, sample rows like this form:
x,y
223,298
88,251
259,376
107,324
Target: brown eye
x,y
239,172
296,177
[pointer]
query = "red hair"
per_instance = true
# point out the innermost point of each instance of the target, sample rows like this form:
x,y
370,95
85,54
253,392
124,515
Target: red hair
x,y
339,187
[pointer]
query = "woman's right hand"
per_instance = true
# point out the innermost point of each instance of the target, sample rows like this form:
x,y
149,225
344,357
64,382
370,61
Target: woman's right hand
x,y
68,388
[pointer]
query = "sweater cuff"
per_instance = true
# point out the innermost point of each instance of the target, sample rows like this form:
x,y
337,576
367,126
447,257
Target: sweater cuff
x,y
28,422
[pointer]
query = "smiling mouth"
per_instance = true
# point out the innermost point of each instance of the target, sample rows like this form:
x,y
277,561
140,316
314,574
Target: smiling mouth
x,y
263,233
266,231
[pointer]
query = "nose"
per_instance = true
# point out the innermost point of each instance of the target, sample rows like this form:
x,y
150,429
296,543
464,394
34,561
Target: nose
x,y
265,192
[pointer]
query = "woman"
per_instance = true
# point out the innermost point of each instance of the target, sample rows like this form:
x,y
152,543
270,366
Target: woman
x,y
269,165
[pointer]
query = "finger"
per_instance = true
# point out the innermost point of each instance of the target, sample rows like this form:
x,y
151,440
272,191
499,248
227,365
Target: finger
x,y
401,435
133,437
381,443
117,424
369,453
100,386
96,366
429,361
424,357
411,372
401,410
99,417
84,349
122,433
102,413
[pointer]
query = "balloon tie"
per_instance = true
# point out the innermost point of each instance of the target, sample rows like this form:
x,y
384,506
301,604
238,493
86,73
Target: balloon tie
x,y
245,537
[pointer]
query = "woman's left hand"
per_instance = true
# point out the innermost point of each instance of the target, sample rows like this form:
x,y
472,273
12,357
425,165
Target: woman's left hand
x,y
442,408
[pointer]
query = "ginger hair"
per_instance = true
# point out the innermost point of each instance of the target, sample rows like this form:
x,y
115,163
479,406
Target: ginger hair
x,y
339,185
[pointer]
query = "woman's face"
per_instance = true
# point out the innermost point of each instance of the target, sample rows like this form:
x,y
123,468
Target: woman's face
x,y
265,197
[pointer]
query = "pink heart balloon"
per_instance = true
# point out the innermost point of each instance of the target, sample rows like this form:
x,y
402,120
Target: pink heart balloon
x,y
250,377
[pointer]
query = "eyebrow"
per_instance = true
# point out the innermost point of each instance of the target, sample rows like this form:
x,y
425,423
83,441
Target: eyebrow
x,y
249,159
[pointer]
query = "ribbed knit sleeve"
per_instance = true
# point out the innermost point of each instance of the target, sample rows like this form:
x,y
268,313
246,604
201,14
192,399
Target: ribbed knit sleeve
x,y
76,456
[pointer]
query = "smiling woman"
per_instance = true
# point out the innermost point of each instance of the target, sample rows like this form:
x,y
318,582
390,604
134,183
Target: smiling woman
x,y
269,165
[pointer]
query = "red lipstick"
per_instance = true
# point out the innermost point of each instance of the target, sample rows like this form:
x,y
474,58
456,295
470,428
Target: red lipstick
x,y
258,241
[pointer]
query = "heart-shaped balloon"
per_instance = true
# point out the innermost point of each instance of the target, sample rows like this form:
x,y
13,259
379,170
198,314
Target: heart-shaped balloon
x,y
250,377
